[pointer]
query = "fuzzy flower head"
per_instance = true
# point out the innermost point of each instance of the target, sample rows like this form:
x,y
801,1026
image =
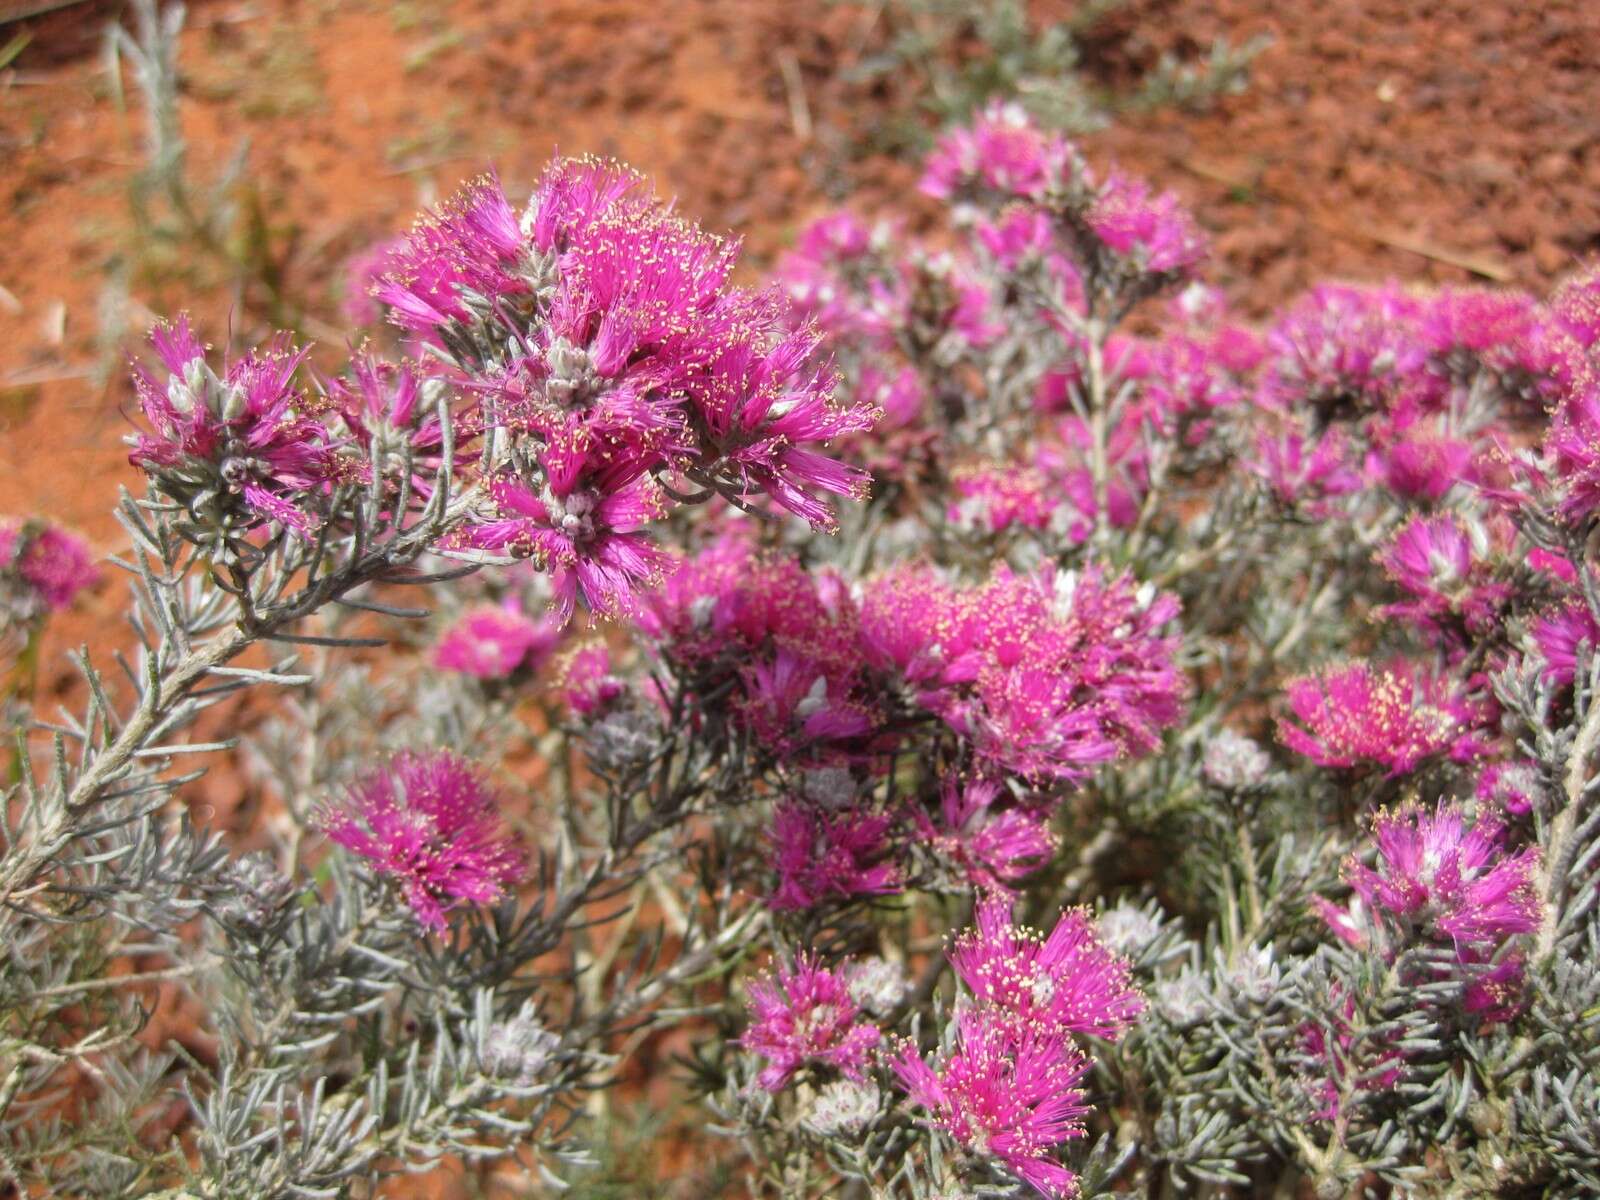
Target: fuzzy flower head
x,y
1065,983
1563,636
1153,234
431,823
1305,472
586,682
1002,154
1047,675
804,1017
237,450
589,538
1572,451
1441,564
821,855
1341,350
1515,788
1392,718
42,568
1436,879
1497,336
494,641
988,843
1233,762
1008,1100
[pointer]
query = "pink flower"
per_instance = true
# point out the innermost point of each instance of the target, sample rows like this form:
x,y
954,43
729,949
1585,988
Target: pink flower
x,y
586,536
1189,381
1155,232
1422,468
1045,675
494,641
1394,718
1300,473
1011,1100
48,565
1575,307
790,702
237,450
1434,559
1343,350
994,498
431,823
1561,636
1065,983
821,855
586,684
991,845
382,403
1513,787
1442,881
1502,335
806,1016
1002,152
1572,450
363,272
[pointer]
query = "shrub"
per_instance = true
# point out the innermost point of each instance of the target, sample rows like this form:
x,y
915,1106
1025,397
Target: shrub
x,y
1226,696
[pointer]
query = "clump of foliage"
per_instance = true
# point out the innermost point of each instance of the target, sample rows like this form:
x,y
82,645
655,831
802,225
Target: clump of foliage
x,y
945,60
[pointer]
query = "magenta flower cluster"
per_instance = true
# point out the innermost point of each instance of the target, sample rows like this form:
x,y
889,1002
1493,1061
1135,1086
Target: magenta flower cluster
x,y
1438,881
43,568
431,824
1008,1085
1383,717
593,362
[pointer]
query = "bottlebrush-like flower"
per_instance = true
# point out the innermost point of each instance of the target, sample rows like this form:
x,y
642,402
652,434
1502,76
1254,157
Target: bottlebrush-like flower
x,y
1513,787
1065,983
1439,563
585,682
470,253
1503,335
806,1016
821,855
759,400
1418,467
1439,880
789,702
1155,232
1001,152
1342,350
588,537
1575,307
1561,636
1046,675
1008,1099
1302,473
1572,449
493,641
383,405
236,450
43,566
1394,717
993,499
430,822
991,847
